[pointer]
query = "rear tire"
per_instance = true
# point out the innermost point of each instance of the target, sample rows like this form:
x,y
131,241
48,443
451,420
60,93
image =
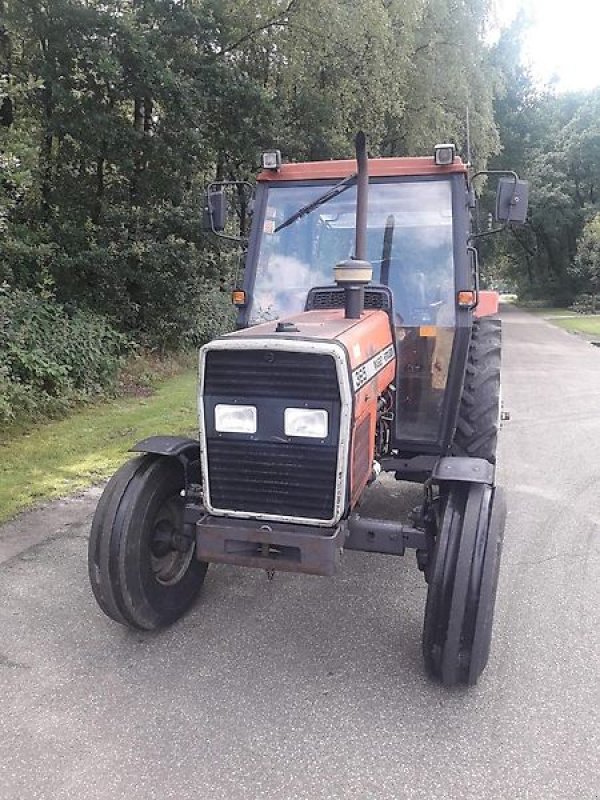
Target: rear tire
x,y
457,630
479,414
138,577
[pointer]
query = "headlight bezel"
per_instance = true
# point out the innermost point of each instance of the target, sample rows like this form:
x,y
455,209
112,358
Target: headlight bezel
x,y
233,409
293,416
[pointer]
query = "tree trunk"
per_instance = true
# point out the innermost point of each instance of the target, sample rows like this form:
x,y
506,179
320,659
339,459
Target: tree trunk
x,y
148,107
99,187
46,152
243,206
138,126
6,106
138,114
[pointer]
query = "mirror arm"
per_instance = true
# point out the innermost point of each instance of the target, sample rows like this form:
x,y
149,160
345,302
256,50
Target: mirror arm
x,y
510,172
228,238
474,236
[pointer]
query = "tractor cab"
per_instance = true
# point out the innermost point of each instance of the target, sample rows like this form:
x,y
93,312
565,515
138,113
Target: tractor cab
x,y
416,241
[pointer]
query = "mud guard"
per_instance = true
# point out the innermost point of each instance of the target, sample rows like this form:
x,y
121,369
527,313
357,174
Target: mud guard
x,y
457,629
464,469
184,449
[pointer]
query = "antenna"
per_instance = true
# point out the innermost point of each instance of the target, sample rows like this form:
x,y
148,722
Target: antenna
x,y
468,138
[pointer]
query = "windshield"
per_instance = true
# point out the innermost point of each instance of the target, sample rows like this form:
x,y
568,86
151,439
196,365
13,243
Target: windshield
x,y
409,243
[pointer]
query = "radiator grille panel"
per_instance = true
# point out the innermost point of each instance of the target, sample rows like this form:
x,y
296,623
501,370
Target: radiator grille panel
x,y
268,473
272,478
270,373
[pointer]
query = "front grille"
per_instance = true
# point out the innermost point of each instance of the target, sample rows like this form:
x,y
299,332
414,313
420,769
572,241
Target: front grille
x,y
291,480
270,373
333,297
268,473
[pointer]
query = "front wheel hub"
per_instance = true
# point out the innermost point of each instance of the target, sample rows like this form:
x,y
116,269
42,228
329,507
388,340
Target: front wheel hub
x,y
170,550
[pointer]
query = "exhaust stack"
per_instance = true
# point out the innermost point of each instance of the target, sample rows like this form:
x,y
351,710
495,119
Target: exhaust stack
x,y
355,273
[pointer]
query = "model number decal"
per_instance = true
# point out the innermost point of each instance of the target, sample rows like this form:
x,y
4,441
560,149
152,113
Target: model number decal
x,y
370,368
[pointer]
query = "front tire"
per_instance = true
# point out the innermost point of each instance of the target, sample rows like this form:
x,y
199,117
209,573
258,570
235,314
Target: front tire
x,y
457,630
141,571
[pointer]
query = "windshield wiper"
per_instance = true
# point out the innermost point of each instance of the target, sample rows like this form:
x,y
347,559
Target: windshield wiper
x,y
324,198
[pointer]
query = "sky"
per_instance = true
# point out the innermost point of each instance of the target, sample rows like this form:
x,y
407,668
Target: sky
x,y
563,41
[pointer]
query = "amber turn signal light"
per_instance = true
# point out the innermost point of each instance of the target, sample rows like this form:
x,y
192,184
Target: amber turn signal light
x,y
428,331
466,299
238,297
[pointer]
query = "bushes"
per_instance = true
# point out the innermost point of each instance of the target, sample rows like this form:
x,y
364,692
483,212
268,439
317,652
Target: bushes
x,y
150,272
213,315
52,356
587,304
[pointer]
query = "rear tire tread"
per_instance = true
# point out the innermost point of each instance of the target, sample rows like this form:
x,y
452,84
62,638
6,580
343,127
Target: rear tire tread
x,y
478,417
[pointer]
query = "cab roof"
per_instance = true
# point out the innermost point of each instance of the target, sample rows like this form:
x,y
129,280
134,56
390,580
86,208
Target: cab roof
x,y
378,168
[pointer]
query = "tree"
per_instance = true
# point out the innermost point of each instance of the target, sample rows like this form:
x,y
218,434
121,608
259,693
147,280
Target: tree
x,y
115,113
553,141
586,267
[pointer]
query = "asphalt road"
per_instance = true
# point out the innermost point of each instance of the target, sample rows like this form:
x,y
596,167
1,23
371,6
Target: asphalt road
x,y
313,688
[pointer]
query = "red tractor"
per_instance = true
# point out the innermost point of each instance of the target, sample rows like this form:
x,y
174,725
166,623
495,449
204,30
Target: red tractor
x,y
393,367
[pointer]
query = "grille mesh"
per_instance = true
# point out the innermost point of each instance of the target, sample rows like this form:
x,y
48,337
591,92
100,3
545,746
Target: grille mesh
x,y
334,298
267,478
270,373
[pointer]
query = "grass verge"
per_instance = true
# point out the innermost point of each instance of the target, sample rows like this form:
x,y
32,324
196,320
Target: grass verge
x,y
548,312
586,325
58,458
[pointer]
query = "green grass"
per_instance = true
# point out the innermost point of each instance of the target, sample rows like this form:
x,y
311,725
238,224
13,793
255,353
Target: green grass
x,y
58,458
548,312
586,325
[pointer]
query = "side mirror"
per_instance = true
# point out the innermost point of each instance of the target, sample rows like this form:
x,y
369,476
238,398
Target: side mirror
x,y
214,215
512,198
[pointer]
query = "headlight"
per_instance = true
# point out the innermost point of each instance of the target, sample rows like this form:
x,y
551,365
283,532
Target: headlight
x,y
312,422
235,419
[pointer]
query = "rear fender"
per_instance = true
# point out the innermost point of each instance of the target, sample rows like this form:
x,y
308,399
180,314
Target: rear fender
x,y
487,304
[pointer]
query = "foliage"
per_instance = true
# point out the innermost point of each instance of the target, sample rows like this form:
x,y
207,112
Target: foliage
x,y
120,112
114,115
553,141
52,356
586,304
586,266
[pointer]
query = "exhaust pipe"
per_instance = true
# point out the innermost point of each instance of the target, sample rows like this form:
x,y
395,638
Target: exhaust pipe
x,y
362,197
356,272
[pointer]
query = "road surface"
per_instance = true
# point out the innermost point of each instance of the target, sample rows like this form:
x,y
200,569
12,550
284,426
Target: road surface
x,y
313,688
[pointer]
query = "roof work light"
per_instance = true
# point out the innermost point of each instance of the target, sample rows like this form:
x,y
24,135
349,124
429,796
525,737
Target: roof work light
x,y
444,154
271,159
